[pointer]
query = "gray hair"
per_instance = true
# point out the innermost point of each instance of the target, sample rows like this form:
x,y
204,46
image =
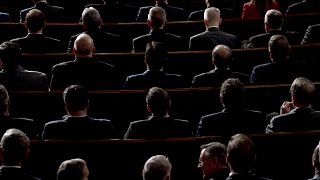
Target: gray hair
x,y
158,167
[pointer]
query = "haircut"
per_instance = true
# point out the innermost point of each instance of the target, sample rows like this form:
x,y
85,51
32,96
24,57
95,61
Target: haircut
x,y
156,55
10,54
222,56
158,101
91,18
35,20
241,153
279,48
84,45
158,167
72,169
274,19
4,100
15,145
302,89
217,150
75,98
232,93
157,15
212,16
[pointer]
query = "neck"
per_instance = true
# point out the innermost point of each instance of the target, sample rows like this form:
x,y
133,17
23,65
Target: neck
x,y
35,32
78,113
83,56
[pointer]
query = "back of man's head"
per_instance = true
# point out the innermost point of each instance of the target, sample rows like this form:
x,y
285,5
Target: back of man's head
x,y
279,48
73,169
10,54
302,90
91,18
83,45
232,94
35,20
157,17
158,101
240,153
316,159
156,55
4,101
158,167
212,17
14,147
216,150
222,57
273,20
75,98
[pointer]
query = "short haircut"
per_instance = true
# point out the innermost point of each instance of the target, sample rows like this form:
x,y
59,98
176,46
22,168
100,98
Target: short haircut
x,y
91,18
35,20
232,93
158,167
4,100
316,158
241,153
212,15
157,15
217,150
75,97
158,101
279,48
72,169
302,89
156,55
14,144
84,44
274,19
10,54
222,56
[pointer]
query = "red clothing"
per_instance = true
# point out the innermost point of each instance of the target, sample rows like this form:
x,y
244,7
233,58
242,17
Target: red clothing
x,y
250,11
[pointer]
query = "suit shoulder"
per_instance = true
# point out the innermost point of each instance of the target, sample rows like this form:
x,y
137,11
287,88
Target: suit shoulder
x,y
55,122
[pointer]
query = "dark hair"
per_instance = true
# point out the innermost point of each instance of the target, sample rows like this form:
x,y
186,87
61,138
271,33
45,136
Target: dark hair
x,y
217,150
75,97
35,20
303,90
4,100
158,101
10,54
232,93
279,48
91,18
222,56
156,55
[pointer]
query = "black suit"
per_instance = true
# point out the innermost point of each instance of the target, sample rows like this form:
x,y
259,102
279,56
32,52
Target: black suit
x,y
92,74
79,128
150,79
26,125
305,6
245,177
312,35
173,13
299,119
14,173
229,122
52,13
210,38
172,41
38,43
154,127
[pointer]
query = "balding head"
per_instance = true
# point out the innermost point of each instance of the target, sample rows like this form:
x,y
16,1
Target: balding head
x,y
221,56
157,17
91,18
83,45
212,17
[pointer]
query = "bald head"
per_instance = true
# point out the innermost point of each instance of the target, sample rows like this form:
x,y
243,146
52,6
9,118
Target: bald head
x,y
212,17
157,17
83,45
221,56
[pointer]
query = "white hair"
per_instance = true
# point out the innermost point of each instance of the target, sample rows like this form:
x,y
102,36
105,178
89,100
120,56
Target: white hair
x,y
158,167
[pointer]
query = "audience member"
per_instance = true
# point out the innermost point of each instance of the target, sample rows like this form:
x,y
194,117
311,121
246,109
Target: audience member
x,y
155,59
159,124
104,41
156,22
234,118
312,35
4,17
213,35
35,41
297,114
77,124
52,13
273,21
212,161
13,76
85,69
14,149
173,13
316,163
281,69
304,6
221,59
158,167
258,8
73,169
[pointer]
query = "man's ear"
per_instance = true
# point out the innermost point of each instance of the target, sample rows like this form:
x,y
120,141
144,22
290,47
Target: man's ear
x,y
149,23
148,109
74,50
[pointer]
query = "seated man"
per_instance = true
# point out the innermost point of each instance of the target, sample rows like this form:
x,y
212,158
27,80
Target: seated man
x,y
13,76
77,124
155,59
159,124
304,6
316,163
221,59
312,35
73,169
35,41
234,118
157,167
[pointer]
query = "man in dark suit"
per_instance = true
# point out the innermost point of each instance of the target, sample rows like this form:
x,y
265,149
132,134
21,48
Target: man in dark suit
x,y
14,150
298,114
213,35
77,124
13,76
234,118
281,69
305,6
75,169
35,41
85,69
103,41
316,163
312,35
160,124
273,21
221,59
52,13
154,76
156,22
173,13
4,17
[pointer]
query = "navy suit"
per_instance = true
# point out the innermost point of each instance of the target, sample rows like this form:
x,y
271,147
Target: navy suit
x,y
305,6
10,173
312,35
173,13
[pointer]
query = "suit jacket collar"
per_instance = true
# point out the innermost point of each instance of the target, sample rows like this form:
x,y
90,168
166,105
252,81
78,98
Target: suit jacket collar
x,y
154,118
41,4
75,119
272,32
34,35
302,110
213,29
148,72
85,59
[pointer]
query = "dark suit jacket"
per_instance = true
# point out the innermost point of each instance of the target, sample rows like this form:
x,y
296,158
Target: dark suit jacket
x,y
226,13
10,173
150,79
312,35
229,122
210,38
245,177
158,128
278,72
315,177
220,174
79,128
92,74
216,77
38,43
52,13
26,125
298,119
305,6
173,13
22,79
172,42
4,17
